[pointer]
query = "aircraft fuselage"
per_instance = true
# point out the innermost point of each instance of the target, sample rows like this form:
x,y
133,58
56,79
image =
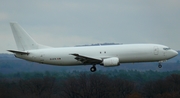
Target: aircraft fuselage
x,y
127,53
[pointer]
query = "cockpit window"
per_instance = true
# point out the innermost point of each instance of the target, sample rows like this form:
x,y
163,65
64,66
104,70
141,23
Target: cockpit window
x,y
166,48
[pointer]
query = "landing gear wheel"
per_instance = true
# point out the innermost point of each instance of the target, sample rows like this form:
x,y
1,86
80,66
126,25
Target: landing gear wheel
x,y
93,69
159,65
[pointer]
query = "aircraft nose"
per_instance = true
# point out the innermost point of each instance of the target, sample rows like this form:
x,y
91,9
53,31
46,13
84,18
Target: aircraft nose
x,y
171,53
174,53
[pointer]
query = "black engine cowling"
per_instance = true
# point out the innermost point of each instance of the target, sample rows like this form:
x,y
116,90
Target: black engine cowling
x,y
113,61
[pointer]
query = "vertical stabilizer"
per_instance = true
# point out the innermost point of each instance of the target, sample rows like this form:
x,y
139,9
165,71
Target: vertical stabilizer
x,y
22,38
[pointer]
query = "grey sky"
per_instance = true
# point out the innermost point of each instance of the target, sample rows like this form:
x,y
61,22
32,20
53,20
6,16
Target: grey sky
x,y
73,22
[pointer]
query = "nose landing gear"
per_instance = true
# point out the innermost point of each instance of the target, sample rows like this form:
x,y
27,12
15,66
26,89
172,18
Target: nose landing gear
x,y
160,65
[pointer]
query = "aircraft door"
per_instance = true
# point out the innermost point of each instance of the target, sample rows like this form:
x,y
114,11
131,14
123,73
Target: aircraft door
x,y
156,50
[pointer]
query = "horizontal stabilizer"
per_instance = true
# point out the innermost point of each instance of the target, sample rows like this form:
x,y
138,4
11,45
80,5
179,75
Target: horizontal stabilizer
x,y
18,52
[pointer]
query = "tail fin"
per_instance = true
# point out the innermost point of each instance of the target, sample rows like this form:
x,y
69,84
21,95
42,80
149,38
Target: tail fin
x,y
22,38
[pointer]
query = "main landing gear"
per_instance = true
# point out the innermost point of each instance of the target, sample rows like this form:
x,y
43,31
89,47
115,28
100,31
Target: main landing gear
x,y
93,68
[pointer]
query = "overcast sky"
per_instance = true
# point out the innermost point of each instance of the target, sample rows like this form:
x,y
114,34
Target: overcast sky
x,y
74,22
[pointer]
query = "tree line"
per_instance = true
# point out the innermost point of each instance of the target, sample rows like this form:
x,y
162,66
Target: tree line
x,y
110,84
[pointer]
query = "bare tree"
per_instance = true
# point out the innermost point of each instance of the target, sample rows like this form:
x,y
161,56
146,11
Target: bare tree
x,y
37,87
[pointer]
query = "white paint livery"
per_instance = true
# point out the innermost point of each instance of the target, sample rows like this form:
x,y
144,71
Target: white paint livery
x,y
107,55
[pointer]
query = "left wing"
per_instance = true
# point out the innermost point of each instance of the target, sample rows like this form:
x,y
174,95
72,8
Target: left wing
x,y
86,59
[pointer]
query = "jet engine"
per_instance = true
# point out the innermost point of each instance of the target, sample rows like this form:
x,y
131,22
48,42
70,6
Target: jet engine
x,y
113,61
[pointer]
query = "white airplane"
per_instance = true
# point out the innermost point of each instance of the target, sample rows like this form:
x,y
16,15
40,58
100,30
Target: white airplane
x,y
107,56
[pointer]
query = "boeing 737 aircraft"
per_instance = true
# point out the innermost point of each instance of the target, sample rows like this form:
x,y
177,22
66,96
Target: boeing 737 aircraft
x,y
107,56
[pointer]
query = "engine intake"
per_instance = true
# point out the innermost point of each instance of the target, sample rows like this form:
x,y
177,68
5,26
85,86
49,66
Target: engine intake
x,y
113,61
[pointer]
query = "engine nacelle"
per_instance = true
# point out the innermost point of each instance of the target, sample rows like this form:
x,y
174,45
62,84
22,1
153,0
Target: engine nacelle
x,y
113,61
